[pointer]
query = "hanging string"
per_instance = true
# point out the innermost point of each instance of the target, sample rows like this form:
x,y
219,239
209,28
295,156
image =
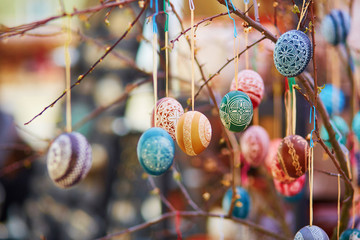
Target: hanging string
x,y
338,207
177,226
353,211
166,50
246,37
192,8
293,105
222,227
155,55
68,76
311,162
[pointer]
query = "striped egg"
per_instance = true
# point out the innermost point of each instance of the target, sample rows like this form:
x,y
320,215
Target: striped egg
x,y
311,233
193,132
335,27
69,159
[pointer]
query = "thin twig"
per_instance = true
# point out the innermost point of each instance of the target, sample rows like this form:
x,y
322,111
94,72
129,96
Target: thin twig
x,y
162,197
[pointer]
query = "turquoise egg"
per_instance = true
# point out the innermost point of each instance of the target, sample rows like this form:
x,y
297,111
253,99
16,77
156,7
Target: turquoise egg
x,y
242,203
333,99
236,111
335,27
350,234
155,151
341,125
356,125
311,233
292,53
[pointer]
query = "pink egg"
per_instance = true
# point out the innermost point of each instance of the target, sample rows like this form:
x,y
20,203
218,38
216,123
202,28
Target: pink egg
x,y
255,145
251,83
291,188
273,147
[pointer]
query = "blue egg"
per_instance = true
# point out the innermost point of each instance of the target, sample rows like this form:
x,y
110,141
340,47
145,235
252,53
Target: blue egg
x,y
335,27
292,53
311,233
341,125
356,125
242,203
350,234
333,99
155,151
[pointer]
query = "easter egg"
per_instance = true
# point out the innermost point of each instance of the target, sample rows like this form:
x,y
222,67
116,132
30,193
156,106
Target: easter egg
x,y
251,83
242,203
293,153
69,159
193,132
168,112
356,125
291,188
255,145
236,111
311,233
357,160
335,27
292,53
350,234
338,123
333,99
155,151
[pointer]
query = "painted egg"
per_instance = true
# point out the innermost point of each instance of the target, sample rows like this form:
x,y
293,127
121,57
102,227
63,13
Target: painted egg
x,y
293,154
311,233
193,132
168,112
251,83
255,145
273,147
335,27
338,123
292,188
69,159
242,202
356,125
333,99
155,151
350,234
236,111
292,53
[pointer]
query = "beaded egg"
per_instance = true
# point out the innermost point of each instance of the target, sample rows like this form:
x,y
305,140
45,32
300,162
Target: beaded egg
x,y
291,188
69,159
255,145
292,53
311,233
293,153
335,27
251,83
333,99
242,203
356,125
193,132
341,125
350,234
155,151
168,112
236,111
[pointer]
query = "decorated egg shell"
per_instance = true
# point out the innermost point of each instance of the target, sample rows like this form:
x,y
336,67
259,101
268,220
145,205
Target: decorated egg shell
x,y
255,145
350,234
333,99
291,188
168,112
236,111
311,233
193,132
335,27
292,53
356,125
293,153
69,159
251,83
242,203
339,123
155,151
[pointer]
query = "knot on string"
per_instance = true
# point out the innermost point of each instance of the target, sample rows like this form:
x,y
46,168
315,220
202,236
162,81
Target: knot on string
x,y
313,109
228,10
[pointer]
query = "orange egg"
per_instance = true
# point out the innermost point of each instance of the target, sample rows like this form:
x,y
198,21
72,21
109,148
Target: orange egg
x,y
193,132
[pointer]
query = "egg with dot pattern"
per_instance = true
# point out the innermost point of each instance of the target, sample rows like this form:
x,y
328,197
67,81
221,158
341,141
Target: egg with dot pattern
x,y
155,151
333,99
236,111
292,53
356,125
350,234
335,26
242,203
69,159
289,189
341,126
311,233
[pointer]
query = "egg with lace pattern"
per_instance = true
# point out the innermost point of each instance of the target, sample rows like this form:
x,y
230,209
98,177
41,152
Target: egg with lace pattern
x,y
311,233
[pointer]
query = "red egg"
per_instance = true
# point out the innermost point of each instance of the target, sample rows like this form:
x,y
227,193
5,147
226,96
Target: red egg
x,y
251,83
290,189
278,173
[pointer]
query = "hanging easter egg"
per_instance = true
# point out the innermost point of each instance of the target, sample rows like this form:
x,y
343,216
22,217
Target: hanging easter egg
x,y
356,125
350,234
333,99
193,132
168,112
273,147
335,27
155,151
293,154
69,159
292,188
311,233
236,111
255,145
242,203
292,53
251,83
338,123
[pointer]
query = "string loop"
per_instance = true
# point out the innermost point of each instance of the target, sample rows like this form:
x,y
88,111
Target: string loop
x,y
191,4
313,109
167,16
155,30
228,10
